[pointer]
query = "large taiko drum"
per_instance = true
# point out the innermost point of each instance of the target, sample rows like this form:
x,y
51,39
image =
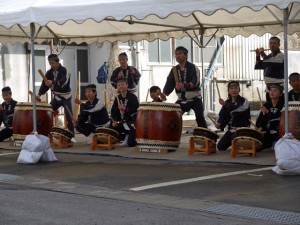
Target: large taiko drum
x,y
294,119
23,120
158,125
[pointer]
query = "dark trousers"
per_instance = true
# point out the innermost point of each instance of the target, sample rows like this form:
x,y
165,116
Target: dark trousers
x,y
225,141
268,140
123,132
197,105
5,133
85,128
64,102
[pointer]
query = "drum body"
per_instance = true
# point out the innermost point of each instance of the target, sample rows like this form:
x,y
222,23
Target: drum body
x,y
102,134
245,136
159,125
201,134
23,120
66,134
294,120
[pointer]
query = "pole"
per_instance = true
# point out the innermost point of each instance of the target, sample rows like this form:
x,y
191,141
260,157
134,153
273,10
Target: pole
x,y
32,33
286,100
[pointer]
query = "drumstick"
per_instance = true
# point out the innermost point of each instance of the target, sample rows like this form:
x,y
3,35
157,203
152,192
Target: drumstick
x,y
217,88
259,97
42,75
264,50
70,114
147,94
175,74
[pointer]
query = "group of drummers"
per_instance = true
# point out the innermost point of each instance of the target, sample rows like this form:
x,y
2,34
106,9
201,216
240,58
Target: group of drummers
x,y
183,78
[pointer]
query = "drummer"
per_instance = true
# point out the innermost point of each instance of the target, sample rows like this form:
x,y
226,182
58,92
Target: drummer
x,y
7,109
294,80
123,114
125,72
269,117
156,95
184,78
234,113
58,80
93,113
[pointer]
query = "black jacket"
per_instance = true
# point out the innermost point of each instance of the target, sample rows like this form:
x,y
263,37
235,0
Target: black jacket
x,y
235,114
94,112
7,114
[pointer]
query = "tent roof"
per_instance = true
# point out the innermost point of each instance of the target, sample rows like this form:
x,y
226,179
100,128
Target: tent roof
x,y
111,20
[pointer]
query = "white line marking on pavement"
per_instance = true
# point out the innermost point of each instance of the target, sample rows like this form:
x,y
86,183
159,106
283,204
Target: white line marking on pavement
x,y
11,153
197,179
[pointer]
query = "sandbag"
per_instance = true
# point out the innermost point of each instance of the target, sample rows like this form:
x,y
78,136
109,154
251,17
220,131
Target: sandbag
x,y
287,153
33,143
29,157
48,156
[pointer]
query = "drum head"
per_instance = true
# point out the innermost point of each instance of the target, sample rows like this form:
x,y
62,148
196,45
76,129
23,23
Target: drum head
x,y
102,134
246,142
66,134
161,106
205,133
249,132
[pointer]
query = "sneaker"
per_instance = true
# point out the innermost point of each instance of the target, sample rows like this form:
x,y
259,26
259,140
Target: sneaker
x,y
73,140
125,142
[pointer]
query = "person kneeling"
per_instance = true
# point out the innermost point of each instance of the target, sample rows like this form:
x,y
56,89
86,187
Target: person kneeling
x,y
123,114
93,113
269,117
234,113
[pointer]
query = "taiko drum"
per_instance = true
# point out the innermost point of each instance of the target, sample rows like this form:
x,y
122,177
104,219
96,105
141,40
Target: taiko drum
x,y
23,120
159,125
294,119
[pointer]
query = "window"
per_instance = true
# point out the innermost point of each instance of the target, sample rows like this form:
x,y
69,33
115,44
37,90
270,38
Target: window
x,y
160,51
40,63
82,65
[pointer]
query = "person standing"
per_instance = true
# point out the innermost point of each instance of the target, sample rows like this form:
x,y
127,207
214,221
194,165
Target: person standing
x,y
125,72
7,109
58,81
185,79
272,64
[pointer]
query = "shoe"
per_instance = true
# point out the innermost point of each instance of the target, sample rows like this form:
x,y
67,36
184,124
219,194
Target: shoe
x,y
73,140
125,142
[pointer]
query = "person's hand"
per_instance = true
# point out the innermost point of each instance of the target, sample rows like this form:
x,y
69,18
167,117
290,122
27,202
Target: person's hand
x,y
260,51
1,108
114,123
221,101
77,101
48,83
163,96
38,98
259,129
218,125
120,74
121,107
179,85
264,110
75,123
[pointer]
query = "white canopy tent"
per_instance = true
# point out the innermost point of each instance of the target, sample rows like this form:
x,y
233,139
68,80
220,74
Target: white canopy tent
x,y
111,20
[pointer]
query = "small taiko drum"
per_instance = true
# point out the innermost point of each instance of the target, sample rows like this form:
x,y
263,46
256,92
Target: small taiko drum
x,y
201,134
244,137
158,125
59,131
23,120
103,133
294,120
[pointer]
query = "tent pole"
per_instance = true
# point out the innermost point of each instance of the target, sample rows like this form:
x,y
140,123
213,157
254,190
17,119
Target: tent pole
x,y
286,101
32,32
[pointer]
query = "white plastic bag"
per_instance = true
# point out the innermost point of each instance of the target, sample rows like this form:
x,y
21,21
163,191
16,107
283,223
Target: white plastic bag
x,y
287,153
48,156
33,143
28,157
